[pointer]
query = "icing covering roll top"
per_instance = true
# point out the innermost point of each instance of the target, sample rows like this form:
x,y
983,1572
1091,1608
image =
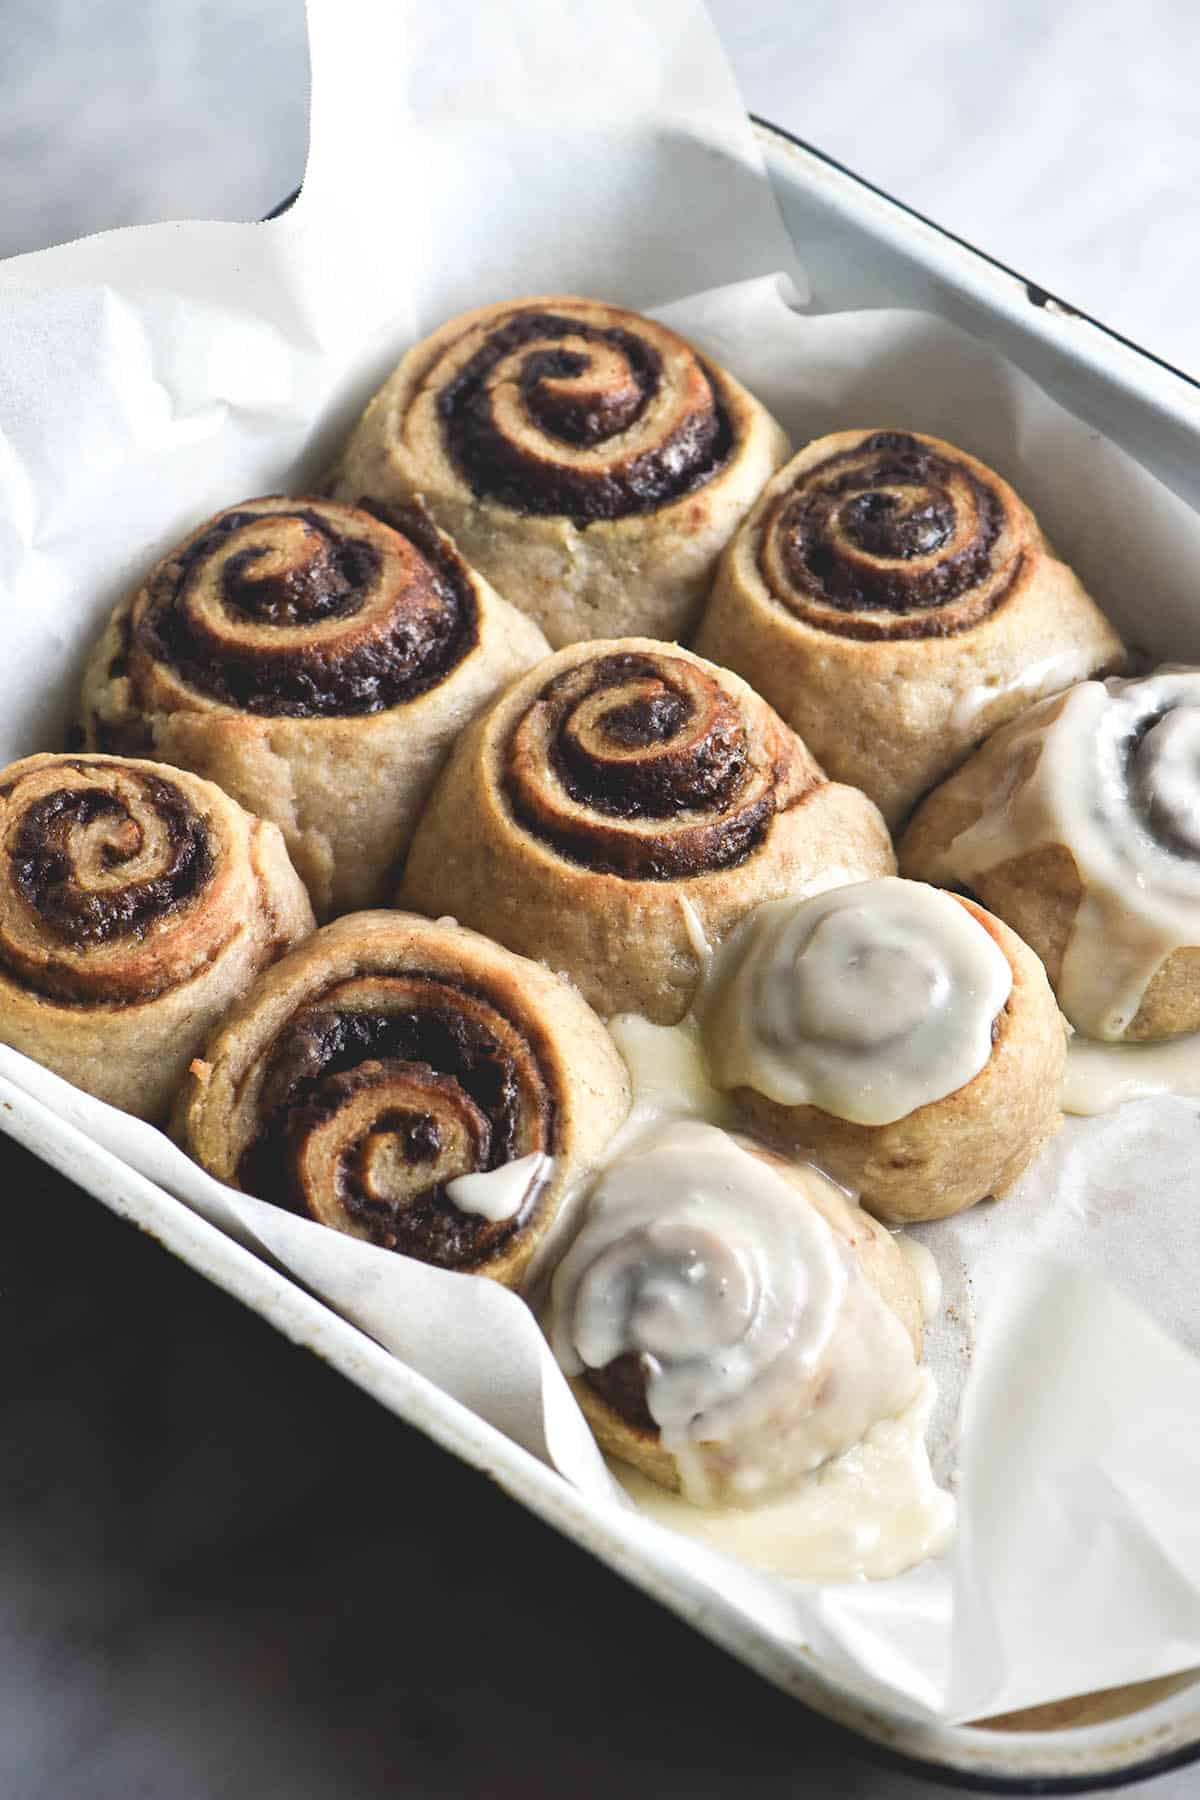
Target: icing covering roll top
x,y
708,1301
1108,774
641,764
868,1002
308,609
389,1061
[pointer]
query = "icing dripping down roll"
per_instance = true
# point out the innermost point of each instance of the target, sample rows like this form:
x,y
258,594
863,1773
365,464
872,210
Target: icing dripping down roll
x,y
731,1321
898,1035
1078,824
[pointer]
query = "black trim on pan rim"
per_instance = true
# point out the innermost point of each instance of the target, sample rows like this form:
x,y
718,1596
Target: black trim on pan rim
x,y
1037,296
941,1773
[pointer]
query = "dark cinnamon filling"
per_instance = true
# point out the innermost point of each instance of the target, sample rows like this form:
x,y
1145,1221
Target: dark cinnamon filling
x,y
622,1385
697,762
44,872
451,1074
841,535
580,417
424,633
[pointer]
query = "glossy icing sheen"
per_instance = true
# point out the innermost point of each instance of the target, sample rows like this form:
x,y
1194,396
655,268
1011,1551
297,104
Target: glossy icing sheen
x,y
874,1511
765,1350
868,1002
1112,772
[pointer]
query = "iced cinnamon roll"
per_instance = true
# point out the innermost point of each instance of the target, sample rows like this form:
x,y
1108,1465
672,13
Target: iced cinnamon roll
x,y
590,462
411,1084
621,805
1079,824
896,601
317,661
730,1321
136,904
899,1036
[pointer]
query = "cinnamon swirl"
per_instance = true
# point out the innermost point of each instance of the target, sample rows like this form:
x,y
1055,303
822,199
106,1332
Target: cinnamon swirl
x,y
895,601
899,1036
412,1084
731,1321
1078,825
136,903
618,801
317,661
589,461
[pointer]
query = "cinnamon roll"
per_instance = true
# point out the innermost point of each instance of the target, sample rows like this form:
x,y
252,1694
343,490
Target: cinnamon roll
x,y
590,462
899,1036
621,804
317,661
1079,824
411,1084
136,903
895,601
729,1320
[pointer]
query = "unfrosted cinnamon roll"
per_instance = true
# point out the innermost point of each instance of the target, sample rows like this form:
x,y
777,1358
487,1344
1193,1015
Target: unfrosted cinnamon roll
x,y
1079,824
729,1320
590,462
316,661
136,904
895,601
899,1036
411,1084
623,802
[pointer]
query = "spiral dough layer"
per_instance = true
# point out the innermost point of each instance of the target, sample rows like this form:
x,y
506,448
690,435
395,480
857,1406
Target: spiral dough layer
x,y
1078,825
316,660
135,903
386,1068
894,598
731,1321
588,460
620,799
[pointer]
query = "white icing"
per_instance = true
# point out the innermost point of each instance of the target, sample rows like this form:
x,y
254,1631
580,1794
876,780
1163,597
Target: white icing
x,y
667,1072
765,1350
1111,771
1034,682
1101,1077
697,937
500,1193
920,1260
868,1001
873,1511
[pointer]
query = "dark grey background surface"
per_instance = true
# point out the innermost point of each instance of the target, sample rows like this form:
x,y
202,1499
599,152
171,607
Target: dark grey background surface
x,y
225,1573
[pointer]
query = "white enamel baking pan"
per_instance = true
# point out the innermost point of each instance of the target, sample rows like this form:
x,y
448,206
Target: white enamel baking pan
x,y
861,249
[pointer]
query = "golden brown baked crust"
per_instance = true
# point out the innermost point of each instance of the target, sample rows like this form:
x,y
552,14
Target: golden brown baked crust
x,y
137,902
317,662
895,601
614,1406
586,459
970,1145
611,785
390,1055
